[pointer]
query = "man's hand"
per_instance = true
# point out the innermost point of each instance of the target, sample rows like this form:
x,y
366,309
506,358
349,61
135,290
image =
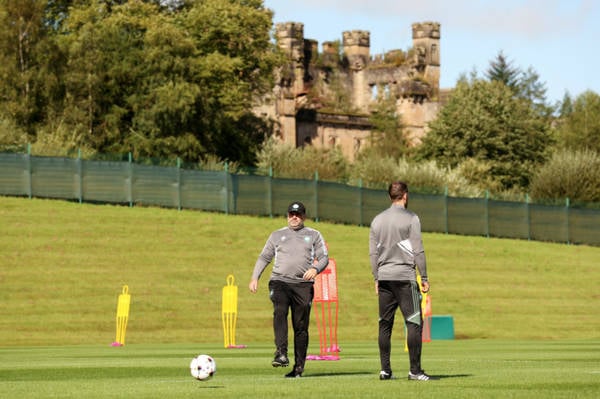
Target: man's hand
x,y
253,286
424,286
310,274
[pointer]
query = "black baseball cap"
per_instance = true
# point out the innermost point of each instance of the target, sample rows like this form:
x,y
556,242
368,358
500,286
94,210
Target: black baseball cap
x,y
297,207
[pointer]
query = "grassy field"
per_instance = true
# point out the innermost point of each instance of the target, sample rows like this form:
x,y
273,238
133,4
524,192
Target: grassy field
x,y
466,369
525,313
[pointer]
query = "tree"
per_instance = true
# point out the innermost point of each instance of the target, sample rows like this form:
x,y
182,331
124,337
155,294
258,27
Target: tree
x,y
485,122
502,70
387,133
29,64
165,80
524,84
579,126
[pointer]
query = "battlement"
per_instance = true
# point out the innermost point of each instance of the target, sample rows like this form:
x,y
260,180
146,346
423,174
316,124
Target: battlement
x,y
360,38
290,30
429,30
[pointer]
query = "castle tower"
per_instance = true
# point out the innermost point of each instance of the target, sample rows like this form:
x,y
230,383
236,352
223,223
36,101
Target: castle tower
x,y
357,45
290,37
426,43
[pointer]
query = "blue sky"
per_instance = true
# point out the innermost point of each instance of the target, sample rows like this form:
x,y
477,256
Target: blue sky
x,y
557,38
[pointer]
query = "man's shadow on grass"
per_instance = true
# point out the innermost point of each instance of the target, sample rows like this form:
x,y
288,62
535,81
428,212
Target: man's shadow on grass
x,y
397,377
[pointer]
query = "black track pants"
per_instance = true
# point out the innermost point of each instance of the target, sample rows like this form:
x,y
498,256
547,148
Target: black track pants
x,y
297,297
406,296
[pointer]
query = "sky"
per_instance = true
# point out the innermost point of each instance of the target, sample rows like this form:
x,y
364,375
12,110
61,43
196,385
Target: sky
x,y
557,38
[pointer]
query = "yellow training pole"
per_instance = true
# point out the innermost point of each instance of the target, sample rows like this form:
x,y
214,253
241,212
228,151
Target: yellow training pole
x,y
122,316
229,311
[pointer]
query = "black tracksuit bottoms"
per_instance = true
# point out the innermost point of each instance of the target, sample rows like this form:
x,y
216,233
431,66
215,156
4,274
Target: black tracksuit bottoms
x,y
406,296
297,297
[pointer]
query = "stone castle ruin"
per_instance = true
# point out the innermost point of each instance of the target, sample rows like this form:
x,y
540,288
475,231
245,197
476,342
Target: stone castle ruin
x,y
325,99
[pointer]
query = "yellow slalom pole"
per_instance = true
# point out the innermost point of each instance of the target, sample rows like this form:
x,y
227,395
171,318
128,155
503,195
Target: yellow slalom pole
x,y
122,316
229,312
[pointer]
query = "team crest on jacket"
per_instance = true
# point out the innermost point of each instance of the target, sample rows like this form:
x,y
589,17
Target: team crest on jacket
x,y
307,238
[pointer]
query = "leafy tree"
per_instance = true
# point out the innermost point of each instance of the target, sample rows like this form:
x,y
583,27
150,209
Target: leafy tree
x,y
29,64
579,126
484,121
165,81
387,133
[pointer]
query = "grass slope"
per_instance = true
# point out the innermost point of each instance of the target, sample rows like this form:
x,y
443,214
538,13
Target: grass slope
x,y
64,264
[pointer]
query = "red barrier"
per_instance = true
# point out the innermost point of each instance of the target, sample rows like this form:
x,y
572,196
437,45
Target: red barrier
x,y
326,313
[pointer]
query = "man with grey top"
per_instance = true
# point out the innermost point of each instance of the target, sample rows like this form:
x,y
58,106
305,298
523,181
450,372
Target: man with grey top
x,y
299,254
395,251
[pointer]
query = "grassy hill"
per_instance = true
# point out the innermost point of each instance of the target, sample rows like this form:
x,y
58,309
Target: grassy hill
x,y
63,265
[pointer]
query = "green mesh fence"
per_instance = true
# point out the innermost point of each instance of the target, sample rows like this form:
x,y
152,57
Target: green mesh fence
x,y
15,175
432,211
206,190
126,182
549,223
508,219
107,181
252,195
583,226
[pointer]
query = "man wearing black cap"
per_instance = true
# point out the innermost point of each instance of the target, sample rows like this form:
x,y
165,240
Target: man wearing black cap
x,y
300,254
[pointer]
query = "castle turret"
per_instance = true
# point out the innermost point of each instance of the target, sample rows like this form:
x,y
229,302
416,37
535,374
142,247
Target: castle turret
x,y
290,37
426,44
356,51
357,44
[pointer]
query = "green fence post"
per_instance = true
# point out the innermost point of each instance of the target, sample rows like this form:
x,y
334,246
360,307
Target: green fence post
x,y
316,196
29,183
130,177
270,194
360,203
446,209
226,188
80,172
528,217
178,183
567,206
487,214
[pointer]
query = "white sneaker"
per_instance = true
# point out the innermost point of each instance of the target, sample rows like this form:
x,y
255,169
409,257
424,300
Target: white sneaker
x,y
419,376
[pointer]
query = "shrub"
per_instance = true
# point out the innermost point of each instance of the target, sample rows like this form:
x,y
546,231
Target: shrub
x,y
421,176
573,174
302,163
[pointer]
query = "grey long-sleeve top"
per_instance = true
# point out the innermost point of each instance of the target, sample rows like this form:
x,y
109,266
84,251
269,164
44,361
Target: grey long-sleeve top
x,y
396,246
293,252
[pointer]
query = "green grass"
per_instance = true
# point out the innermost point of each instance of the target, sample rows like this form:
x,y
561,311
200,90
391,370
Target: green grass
x,y
525,313
64,264
466,368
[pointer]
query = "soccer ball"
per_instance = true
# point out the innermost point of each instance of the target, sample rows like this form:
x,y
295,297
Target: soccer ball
x,y
203,367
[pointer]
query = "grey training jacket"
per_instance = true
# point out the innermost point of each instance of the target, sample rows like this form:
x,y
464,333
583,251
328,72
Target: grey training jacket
x,y
293,252
396,246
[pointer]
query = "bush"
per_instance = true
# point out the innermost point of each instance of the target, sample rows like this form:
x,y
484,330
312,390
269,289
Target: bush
x,y
12,138
420,176
302,163
573,174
